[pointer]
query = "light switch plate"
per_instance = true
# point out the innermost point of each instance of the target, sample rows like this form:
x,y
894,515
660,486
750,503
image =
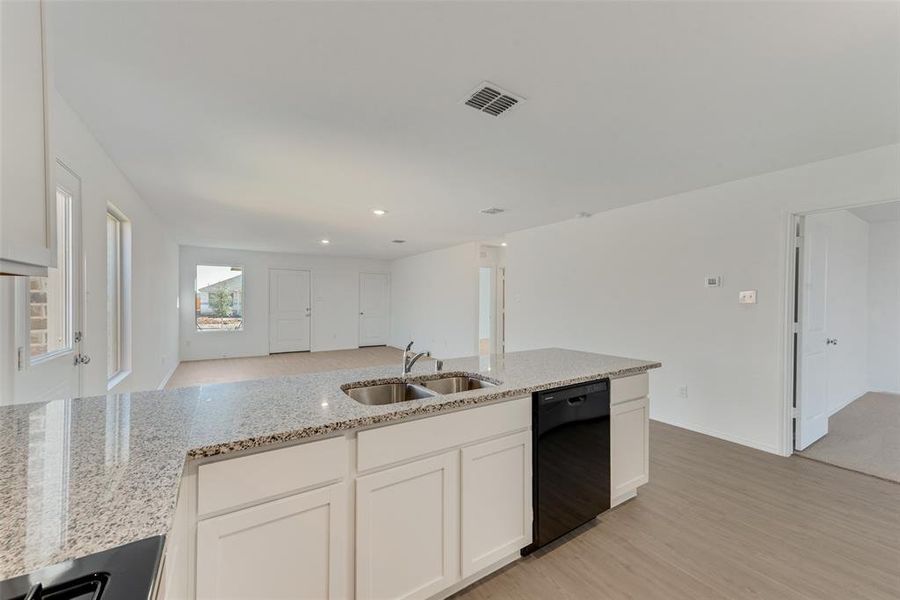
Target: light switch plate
x,y
713,281
747,297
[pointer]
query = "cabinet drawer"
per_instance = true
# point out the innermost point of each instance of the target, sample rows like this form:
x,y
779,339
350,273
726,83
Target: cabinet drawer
x,y
397,443
629,388
240,481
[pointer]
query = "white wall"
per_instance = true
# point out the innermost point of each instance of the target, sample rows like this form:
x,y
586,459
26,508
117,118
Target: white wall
x,y
884,307
846,306
154,265
630,282
335,301
434,301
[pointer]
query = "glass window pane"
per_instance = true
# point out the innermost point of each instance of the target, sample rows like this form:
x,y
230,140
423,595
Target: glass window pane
x,y
50,297
113,295
218,303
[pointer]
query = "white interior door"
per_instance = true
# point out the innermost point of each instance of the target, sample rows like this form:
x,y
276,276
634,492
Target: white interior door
x,y
49,309
289,310
812,374
374,309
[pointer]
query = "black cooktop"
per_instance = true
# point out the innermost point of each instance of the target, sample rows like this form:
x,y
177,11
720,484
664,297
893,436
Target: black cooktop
x,y
123,573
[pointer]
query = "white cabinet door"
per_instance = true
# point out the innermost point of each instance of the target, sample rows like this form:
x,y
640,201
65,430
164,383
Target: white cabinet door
x,y
629,447
496,500
289,310
407,529
374,309
27,215
294,547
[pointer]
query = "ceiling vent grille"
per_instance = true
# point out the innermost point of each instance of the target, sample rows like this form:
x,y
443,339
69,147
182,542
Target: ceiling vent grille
x,y
492,99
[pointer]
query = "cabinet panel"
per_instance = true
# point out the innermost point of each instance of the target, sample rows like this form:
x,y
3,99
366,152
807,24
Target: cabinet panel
x,y
240,481
629,388
387,445
496,500
289,548
629,446
407,529
27,218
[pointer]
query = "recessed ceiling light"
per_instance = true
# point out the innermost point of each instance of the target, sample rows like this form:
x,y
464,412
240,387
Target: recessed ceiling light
x,y
491,211
379,212
398,241
504,244
324,241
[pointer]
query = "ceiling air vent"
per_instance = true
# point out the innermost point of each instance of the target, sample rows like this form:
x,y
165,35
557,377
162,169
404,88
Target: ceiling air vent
x,y
491,211
492,99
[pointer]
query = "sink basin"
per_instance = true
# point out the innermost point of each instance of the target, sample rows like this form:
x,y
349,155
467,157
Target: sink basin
x,y
388,393
455,383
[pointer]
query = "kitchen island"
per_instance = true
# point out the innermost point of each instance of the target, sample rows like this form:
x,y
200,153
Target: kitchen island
x,y
81,475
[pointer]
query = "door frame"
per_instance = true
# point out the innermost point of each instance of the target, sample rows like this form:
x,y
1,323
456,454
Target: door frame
x,y
793,256
22,321
269,307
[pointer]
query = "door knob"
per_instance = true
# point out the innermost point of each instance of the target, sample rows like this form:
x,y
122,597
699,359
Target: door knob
x,y
82,359
831,341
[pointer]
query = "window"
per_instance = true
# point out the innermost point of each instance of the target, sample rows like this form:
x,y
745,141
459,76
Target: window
x,y
118,282
50,298
219,298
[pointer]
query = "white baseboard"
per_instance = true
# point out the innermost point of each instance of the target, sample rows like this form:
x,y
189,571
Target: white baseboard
x,y
724,436
845,404
168,376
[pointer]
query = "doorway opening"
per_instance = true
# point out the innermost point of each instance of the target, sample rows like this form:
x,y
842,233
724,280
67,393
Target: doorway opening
x,y
845,338
491,336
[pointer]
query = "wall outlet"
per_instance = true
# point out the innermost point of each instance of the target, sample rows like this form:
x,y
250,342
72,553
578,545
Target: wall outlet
x,y
683,391
747,297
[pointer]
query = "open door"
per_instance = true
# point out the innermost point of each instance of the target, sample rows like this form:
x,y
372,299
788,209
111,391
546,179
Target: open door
x,y
812,374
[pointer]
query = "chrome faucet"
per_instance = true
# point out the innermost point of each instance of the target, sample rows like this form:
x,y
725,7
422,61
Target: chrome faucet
x,y
409,361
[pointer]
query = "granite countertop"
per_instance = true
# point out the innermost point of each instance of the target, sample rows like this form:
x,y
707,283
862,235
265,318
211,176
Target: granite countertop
x,y
82,475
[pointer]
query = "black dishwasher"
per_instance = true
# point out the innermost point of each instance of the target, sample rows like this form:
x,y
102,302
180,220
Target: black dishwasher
x,y
570,429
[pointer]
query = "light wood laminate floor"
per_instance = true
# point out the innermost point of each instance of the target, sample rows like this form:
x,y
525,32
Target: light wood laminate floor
x,y
223,370
719,520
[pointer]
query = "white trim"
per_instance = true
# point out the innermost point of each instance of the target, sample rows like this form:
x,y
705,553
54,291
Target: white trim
x,y
845,404
724,436
165,380
117,379
787,359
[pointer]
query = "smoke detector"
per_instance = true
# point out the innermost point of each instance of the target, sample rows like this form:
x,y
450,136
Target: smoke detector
x,y
493,210
492,99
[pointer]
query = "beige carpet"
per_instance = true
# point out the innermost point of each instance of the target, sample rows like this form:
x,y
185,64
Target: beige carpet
x,y
864,436
223,370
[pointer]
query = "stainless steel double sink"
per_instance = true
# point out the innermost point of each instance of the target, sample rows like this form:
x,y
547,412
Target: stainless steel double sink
x,y
388,393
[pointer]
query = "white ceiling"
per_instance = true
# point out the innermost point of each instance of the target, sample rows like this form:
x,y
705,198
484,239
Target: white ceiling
x,y
271,125
878,213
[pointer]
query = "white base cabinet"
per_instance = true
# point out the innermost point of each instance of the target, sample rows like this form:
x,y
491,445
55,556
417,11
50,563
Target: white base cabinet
x,y
496,500
629,437
293,547
407,541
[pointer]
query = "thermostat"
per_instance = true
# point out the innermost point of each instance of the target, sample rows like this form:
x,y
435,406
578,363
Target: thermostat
x,y
713,281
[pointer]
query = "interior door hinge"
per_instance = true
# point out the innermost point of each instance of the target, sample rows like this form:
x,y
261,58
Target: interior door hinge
x,y
20,355
795,413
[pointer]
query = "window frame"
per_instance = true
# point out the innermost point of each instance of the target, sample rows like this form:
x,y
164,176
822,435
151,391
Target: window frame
x,y
124,297
243,269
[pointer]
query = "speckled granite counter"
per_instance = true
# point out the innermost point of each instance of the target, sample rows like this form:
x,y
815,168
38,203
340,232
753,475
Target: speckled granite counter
x,y
79,476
